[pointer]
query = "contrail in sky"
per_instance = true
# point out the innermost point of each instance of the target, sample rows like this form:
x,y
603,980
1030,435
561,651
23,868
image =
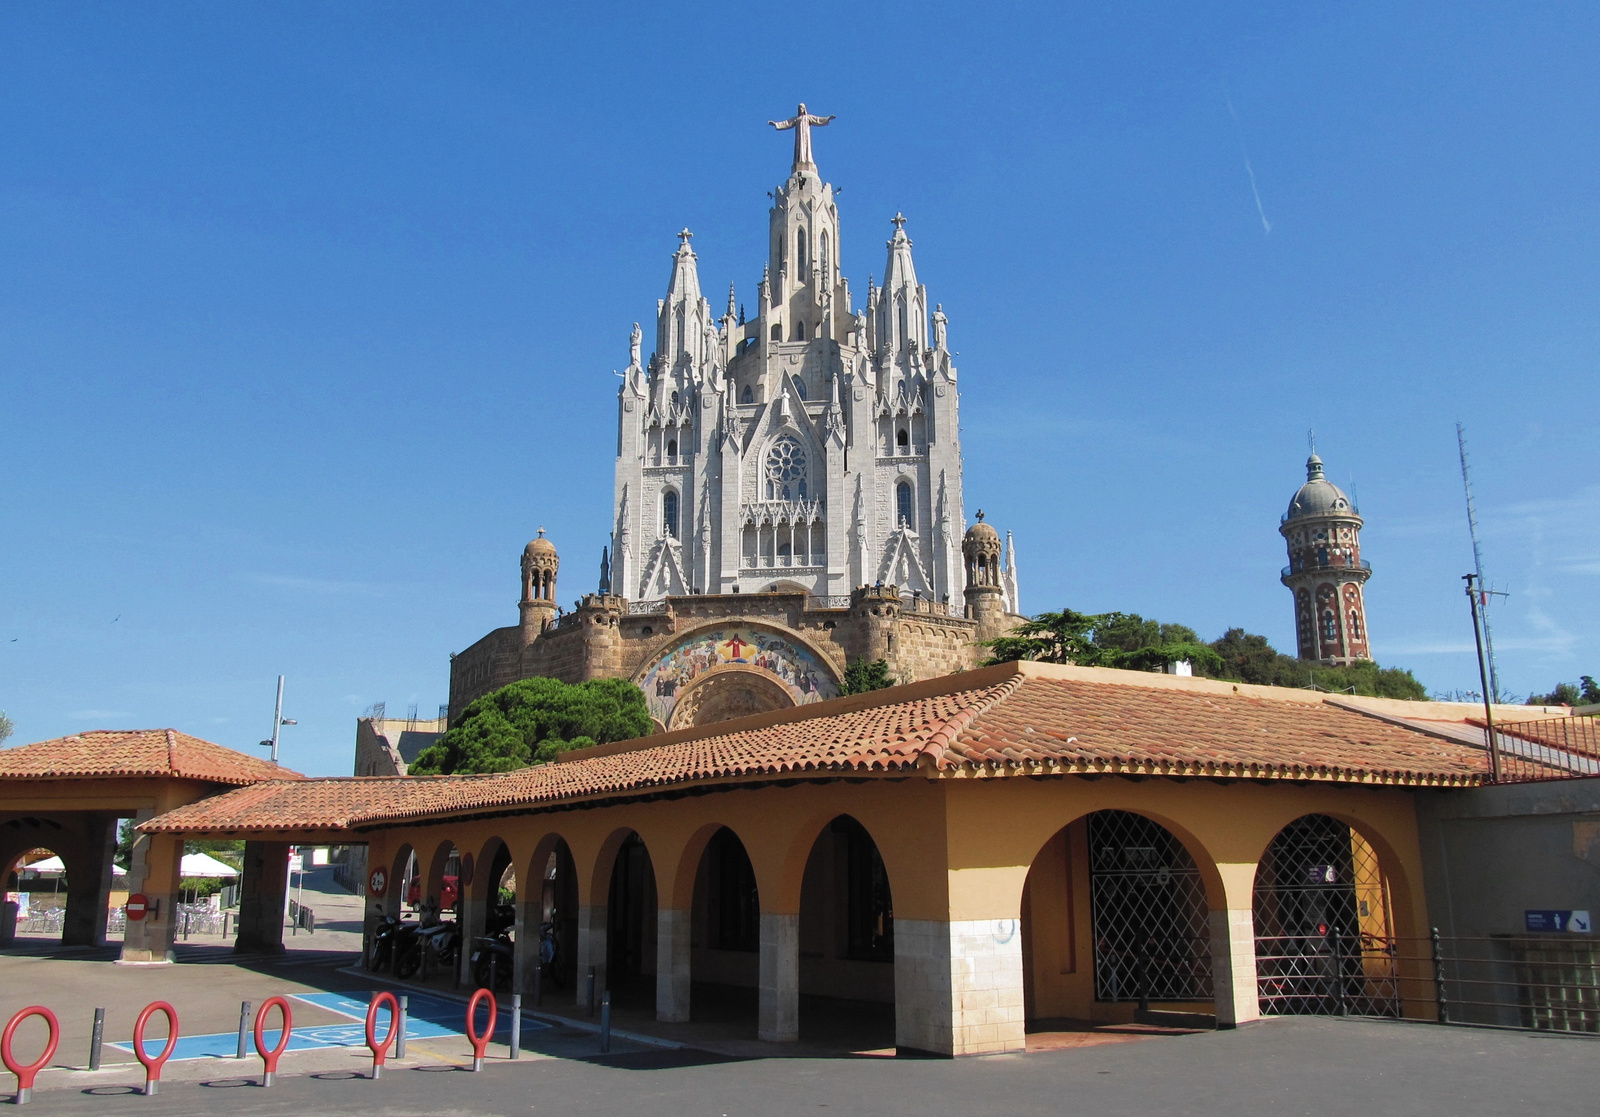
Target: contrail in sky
x,y
1248,169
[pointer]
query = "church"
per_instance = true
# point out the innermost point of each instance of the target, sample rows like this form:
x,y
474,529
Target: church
x,y
788,494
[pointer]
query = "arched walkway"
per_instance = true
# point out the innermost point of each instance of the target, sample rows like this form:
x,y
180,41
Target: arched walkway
x,y
1114,913
725,933
631,926
547,942
1325,939
846,931
38,877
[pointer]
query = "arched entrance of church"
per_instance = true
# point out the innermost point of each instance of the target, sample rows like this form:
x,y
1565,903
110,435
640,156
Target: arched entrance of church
x,y
731,669
726,693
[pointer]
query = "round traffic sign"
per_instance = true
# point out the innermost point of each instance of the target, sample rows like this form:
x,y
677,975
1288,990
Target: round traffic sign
x,y
378,882
137,905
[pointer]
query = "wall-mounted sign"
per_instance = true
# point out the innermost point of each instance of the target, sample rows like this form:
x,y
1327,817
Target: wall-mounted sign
x,y
136,906
1546,920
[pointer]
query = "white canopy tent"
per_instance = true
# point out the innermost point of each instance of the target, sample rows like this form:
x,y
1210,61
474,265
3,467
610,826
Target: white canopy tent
x,y
194,865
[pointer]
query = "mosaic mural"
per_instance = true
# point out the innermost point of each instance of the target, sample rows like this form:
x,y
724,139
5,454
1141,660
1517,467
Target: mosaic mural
x,y
799,670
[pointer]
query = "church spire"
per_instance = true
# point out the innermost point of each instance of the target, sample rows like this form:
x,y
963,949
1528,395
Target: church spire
x,y
902,320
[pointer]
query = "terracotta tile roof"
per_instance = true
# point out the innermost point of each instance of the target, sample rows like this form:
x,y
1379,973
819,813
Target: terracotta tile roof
x,y
1016,719
136,752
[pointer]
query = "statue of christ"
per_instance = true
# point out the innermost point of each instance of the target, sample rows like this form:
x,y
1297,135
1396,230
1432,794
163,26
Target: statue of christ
x,y
802,123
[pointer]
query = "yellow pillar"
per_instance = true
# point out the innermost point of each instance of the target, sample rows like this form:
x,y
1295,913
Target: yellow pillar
x,y
156,870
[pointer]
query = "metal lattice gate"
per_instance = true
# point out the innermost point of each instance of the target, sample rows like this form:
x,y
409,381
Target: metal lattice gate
x,y
1152,938
1324,944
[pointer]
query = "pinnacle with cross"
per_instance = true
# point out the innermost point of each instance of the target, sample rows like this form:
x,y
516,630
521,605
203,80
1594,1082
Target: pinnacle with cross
x,y
899,220
684,237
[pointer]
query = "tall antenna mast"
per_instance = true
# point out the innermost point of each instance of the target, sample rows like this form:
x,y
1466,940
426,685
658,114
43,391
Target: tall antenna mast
x,y
1477,562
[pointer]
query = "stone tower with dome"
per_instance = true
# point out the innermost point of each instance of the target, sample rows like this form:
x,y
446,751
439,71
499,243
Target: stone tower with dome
x,y
788,494
1326,572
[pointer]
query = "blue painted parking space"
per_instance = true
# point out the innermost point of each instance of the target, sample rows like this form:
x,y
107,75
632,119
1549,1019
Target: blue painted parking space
x,y
426,1018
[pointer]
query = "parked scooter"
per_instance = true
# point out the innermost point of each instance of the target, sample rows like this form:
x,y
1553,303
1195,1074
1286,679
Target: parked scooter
x,y
381,947
495,959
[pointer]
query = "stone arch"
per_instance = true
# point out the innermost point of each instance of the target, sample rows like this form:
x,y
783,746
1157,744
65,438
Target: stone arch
x,y
46,907
401,868
1332,907
625,955
548,901
443,869
845,929
724,693
1116,907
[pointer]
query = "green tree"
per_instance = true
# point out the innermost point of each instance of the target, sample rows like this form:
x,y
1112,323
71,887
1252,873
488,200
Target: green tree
x,y
532,721
1064,637
864,675
1102,640
1135,643
7,726
1585,692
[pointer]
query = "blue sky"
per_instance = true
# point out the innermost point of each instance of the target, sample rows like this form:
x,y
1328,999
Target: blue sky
x,y
308,313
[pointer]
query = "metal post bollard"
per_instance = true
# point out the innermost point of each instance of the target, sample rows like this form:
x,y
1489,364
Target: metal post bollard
x,y
588,997
226,916
605,1022
1438,978
400,1043
244,1029
96,1037
516,1025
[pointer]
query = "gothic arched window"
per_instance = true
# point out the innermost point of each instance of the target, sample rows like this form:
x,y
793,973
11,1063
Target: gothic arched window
x,y
799,331
777,333
827,260
900,315
902,501
1355,624
747,396
800,388
902,440
672,450
800,254
1330,625
669,513
786,470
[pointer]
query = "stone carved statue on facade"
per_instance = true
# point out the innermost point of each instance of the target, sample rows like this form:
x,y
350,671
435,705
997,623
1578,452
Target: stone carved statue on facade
x,y
634,343
939,321
802,122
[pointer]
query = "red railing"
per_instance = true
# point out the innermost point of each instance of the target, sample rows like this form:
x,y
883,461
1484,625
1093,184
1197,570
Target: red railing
x,y
1552,749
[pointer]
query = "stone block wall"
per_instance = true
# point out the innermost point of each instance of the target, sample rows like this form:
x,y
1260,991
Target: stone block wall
x,y
958,986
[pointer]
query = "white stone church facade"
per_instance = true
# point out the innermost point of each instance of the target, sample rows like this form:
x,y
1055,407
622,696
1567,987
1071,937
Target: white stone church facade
x,y
788,495
813,445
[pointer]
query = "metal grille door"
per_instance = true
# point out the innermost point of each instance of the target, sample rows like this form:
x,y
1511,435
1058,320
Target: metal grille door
x,y
1152,940
1324,945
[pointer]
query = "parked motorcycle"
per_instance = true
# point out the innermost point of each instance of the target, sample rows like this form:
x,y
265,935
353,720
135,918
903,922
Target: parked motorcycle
x,y
381,946
439,944
494,961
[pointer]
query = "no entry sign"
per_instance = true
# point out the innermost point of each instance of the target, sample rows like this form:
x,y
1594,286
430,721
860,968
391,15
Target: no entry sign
x,y
137,905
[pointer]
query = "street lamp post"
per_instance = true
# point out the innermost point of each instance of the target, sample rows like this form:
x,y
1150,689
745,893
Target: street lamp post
x,y
277,720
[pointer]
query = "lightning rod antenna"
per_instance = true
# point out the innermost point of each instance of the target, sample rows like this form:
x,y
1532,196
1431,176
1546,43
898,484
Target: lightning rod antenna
x,y
1477,563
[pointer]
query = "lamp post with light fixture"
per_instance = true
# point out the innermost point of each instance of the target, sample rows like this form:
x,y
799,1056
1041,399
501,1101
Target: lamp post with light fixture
x,y
277,720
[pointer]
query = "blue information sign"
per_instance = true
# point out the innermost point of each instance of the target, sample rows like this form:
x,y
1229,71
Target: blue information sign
x,y
1575,921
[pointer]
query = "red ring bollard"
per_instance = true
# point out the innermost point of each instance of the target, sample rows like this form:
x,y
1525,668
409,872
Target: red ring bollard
x,y
152,1066
480,1044
25,1073
269,1059
381,1051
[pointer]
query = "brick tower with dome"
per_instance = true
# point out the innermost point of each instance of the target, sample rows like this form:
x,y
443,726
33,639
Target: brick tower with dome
x,y
1326,572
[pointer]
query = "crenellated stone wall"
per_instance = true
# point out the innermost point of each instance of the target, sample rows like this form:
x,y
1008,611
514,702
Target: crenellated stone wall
x,y
609,637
